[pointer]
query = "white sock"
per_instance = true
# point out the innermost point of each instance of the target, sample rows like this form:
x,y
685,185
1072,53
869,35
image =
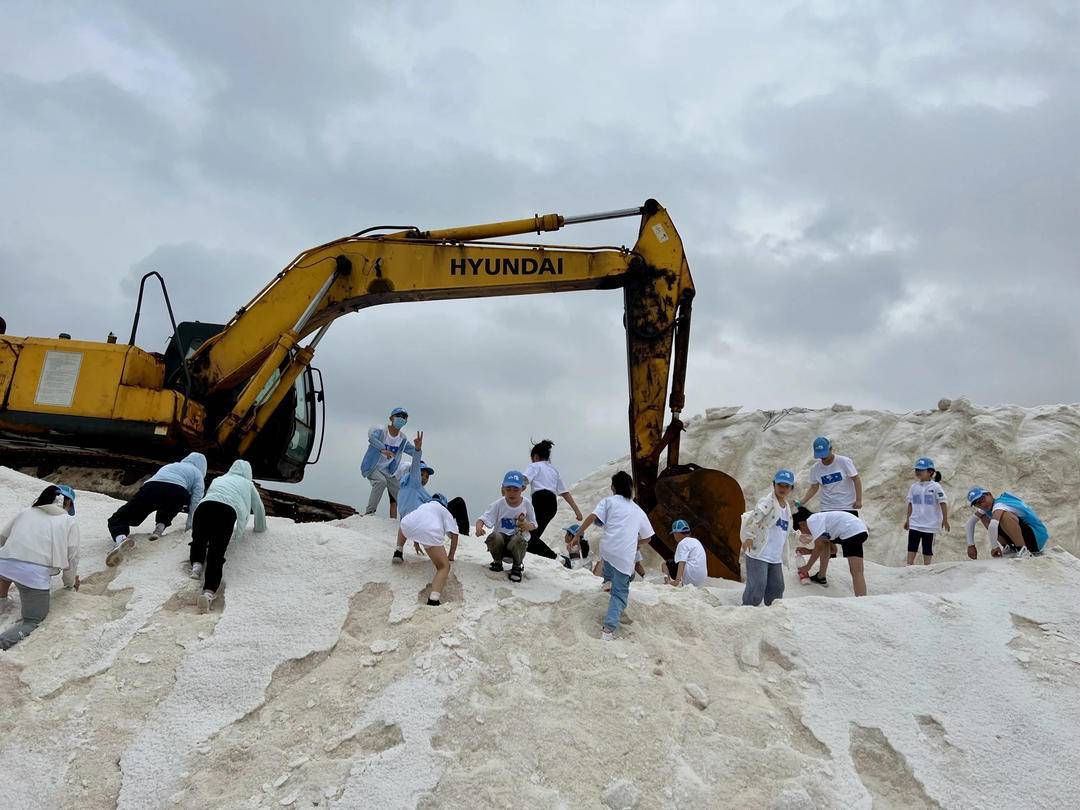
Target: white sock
x,y
120,538
436,595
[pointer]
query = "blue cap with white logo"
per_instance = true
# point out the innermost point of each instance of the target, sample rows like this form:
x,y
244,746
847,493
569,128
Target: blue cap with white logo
x,y
68,493
924,463
573,528
975,493
680,526
784,477
514,479
822,447
438,496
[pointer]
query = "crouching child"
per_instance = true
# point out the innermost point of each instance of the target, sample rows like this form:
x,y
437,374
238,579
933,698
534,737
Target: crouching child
x,y
689,567
426,526
512,517
764,534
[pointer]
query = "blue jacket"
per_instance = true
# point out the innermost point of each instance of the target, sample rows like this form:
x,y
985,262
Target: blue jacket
x,y
375,439
412,493
237,490
1027,514
189,474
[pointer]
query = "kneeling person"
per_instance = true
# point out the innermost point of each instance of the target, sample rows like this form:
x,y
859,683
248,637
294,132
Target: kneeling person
x,y
426,525
512,517
689,566
842,528
220,518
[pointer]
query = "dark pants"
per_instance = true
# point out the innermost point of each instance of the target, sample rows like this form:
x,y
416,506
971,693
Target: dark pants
x,y
35,607
545,505
457,508
211,530
154,496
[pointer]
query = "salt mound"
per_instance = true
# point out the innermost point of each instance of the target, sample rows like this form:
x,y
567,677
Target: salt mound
x,y
325,682
1032,452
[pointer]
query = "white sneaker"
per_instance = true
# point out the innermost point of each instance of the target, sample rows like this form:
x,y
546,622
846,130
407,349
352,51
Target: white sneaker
x,y
206,600
196,570
159,530
1010,551
607,635
1022,553
121,546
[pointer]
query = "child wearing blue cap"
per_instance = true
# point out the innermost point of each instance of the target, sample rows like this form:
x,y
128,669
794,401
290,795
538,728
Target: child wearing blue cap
x,y
574,553
764,533
38,543
512,517
1013,526
836,477
927,511
386,445
689,567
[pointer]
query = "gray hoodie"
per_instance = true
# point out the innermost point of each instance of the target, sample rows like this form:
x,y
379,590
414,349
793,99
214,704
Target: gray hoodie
x,y
189,474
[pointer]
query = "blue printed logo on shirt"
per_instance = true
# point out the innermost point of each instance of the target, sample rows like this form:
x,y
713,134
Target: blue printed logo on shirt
x,y
832,478
507,524
783,524
929,499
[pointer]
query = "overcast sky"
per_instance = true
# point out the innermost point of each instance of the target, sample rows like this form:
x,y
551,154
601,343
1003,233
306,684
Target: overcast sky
x,y
879,206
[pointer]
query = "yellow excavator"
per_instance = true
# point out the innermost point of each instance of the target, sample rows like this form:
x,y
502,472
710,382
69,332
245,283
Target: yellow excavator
x,y
247,388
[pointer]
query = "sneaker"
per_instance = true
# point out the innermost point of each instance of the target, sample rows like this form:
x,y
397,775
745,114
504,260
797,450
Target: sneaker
x,y
495,566
205,601
159,530
607,635
820,580
196,570
433,602
566,561
121,546
1010,551
1022,553
399,558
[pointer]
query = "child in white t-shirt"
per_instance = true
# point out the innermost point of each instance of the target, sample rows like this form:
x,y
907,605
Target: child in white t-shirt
x,y
512,517
765,531
689,567
425,526
927,511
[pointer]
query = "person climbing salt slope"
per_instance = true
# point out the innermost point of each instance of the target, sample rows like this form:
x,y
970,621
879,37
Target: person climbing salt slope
x,y
379,465
1013,526
764,533
546,483
626,527
426,525
219,519
826,528
512,517
165,494
927,511
413,492
689,565
837,479
38,543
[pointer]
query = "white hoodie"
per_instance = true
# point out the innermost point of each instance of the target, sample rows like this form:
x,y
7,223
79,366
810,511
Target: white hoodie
x,y
45,535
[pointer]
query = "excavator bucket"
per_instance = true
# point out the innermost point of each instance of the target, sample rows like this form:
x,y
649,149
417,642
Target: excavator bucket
x,y
712,502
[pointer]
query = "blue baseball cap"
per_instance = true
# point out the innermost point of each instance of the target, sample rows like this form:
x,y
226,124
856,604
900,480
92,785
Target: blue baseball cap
x,y
975,493
438,496
514,479
680,526
924,463
399,410
822,447
573,528
784,477
68,493
425,466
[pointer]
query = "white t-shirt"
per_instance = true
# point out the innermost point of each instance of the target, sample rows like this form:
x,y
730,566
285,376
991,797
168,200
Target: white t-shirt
x,y
428,524
926,498
391,443
624,524
834,525
502,517
27,574
691,552
543,475
837,488
773,549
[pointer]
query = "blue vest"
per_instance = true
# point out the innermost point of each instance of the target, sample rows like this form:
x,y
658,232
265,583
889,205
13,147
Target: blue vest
x,y
1026,514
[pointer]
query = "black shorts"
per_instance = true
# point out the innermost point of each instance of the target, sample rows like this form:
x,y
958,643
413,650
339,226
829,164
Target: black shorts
x,y
915,538
852,546
1026,532
672,568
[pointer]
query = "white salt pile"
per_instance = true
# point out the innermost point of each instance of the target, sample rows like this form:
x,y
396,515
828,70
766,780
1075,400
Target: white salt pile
x,y
1031,452
324,681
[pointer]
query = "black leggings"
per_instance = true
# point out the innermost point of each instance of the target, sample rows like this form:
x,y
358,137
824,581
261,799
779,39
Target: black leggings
x,y
154,496
211,531
915,538
546,506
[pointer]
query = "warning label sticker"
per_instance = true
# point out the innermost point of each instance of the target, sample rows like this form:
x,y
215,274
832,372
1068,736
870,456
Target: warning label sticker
x,y
56,386
661,234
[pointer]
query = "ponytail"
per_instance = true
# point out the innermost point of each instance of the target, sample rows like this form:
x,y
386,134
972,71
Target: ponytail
x,y
48,495
937,476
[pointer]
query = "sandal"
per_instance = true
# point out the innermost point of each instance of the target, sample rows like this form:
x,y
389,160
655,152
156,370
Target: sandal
x,y
495,566
515,574
820,580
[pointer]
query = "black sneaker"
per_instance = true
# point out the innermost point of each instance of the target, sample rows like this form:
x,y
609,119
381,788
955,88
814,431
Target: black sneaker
x,y
433,602
820,580
398,557
495,566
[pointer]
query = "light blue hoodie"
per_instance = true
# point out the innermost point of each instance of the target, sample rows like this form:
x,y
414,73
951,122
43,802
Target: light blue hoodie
x,y
189,474
235,489
375,438
412,493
